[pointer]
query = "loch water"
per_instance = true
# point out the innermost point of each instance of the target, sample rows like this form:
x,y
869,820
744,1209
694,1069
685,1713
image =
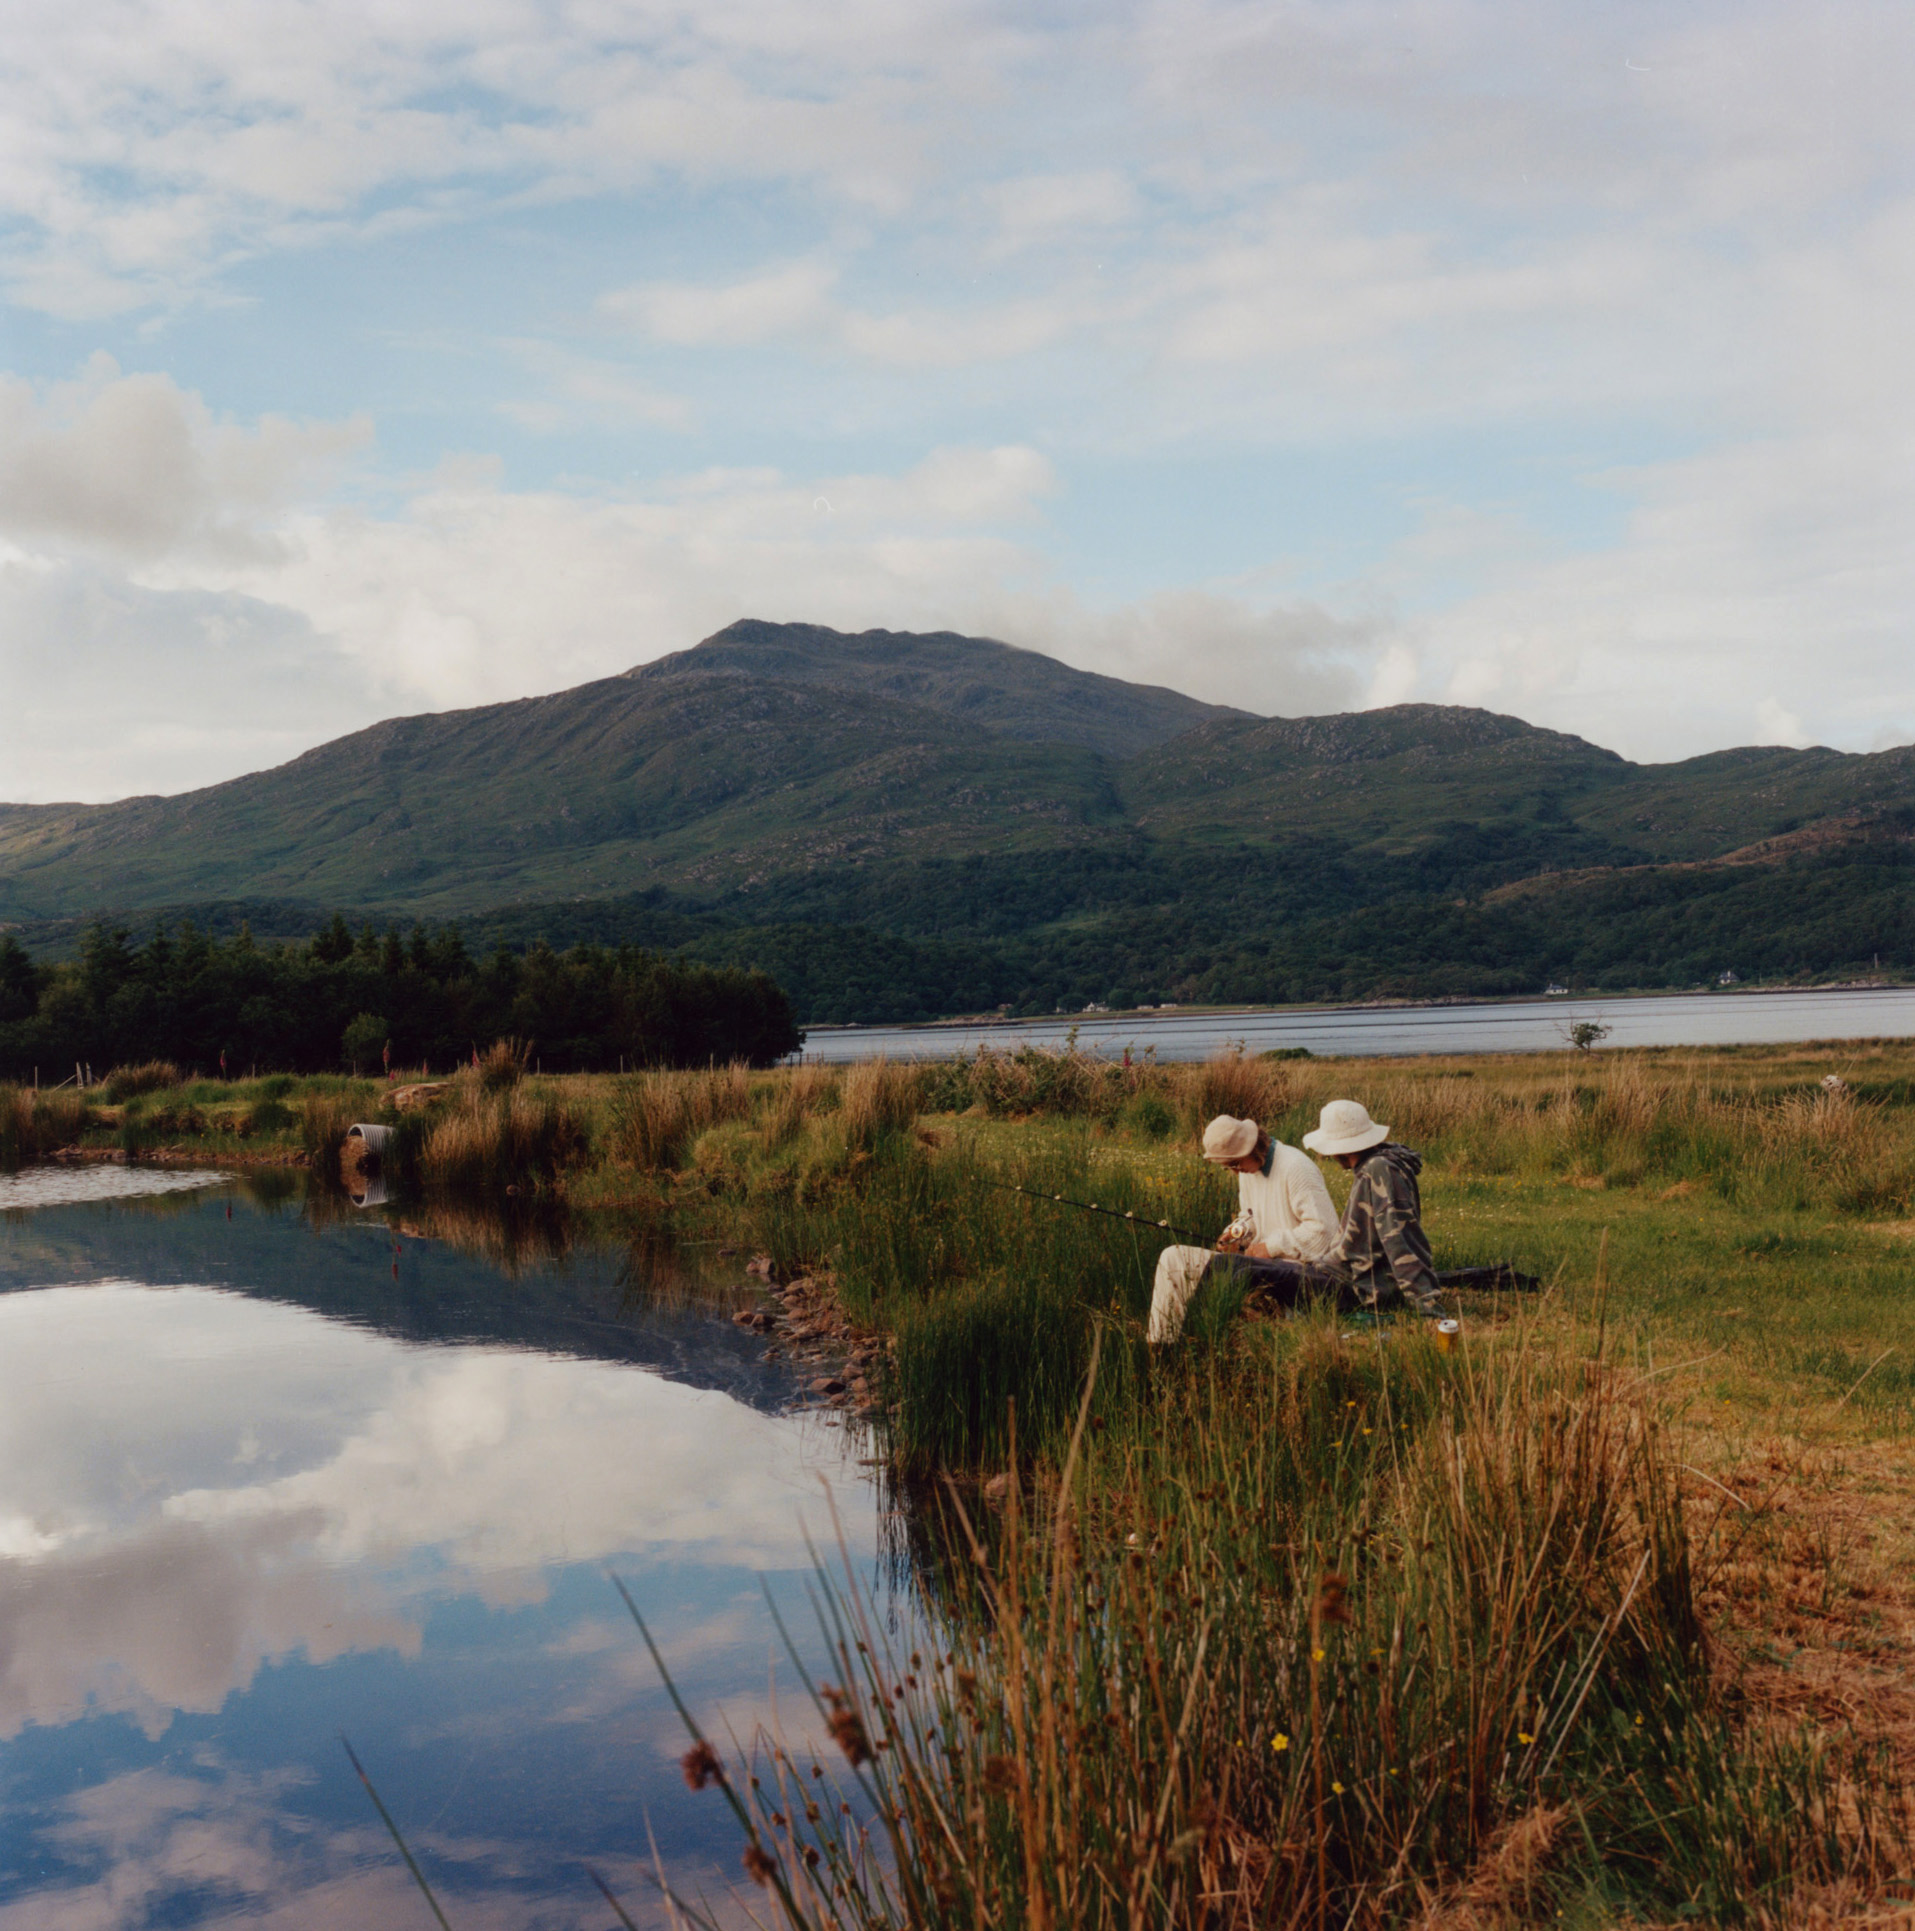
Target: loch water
x,y
271,1476
1720,1018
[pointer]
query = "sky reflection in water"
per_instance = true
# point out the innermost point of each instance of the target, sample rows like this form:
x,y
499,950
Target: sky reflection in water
x,y
249,1500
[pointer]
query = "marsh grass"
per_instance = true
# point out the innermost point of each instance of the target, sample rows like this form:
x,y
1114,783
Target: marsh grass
x,y
656,1116
486,1140
34,1124
150,1076
503,1065
1344,1636
1749,1126
991,1296
324,1119
1066,1081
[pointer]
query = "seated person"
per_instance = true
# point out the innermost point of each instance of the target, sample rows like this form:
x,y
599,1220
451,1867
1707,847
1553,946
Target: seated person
x,y
1382,1251
1284,1214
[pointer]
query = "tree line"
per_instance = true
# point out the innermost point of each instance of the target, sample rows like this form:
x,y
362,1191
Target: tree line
x,y
345,1000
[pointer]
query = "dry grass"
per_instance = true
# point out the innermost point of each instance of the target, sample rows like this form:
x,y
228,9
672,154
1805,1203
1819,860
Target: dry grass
x,y
324,1119
880,1097
523,1136
504,1064
804,1093
34,1124
656,1116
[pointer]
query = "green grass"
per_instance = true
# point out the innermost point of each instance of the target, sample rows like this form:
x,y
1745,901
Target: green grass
x,y
1329,1634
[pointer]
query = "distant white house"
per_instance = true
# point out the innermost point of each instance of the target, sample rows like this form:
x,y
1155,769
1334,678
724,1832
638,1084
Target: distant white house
x,y
1555,992
1726,979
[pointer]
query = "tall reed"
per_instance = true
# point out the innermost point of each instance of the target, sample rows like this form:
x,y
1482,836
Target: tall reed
x,y
1342,1637
34,1124
324,1120
880,1097
520,1136
656,1116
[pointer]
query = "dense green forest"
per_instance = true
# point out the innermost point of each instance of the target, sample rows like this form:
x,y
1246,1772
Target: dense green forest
x,y
341,999
956,938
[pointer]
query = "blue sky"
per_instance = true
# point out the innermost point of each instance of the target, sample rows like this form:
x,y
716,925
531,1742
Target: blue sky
x,y
1303,356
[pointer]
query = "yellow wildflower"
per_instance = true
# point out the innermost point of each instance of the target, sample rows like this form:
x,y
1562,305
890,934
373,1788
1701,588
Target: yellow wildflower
x,y
1279,1741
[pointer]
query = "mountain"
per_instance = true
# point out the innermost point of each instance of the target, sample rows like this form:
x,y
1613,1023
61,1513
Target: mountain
x,y
1024,831
1008,692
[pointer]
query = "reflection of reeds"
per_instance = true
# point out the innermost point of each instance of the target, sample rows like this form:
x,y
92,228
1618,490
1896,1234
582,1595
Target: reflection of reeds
x,y
33,1125
1330,1640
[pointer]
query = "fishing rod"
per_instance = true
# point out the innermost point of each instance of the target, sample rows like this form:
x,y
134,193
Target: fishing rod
x,y
1112,1213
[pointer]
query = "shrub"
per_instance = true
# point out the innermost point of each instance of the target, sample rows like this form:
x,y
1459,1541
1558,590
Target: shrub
x,y
150,1076
363,1041
1149,1114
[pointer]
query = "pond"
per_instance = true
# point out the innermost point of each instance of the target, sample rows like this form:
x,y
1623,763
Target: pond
x,y
271,1476
1499,1026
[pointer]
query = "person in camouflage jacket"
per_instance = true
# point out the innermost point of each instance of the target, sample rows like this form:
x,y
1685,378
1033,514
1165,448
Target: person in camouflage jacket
x,y
1382,1250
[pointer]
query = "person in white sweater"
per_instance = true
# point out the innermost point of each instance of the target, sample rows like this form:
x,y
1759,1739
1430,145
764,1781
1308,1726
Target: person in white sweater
x,y
1284,1212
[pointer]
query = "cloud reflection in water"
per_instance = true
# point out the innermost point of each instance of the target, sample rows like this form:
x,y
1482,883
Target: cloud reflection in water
x,y
236,1527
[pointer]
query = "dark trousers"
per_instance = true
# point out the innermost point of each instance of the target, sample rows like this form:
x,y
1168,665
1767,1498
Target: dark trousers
x,y
1285,1284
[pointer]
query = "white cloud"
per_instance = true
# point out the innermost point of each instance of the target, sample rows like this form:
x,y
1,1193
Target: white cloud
x,y
1775,724
167,1594
1683,241
135,466
798,299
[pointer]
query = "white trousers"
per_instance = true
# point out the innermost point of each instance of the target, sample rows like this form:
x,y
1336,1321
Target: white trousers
x,y
1179,1271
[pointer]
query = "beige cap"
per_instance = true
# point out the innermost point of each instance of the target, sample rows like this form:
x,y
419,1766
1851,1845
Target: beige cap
x,y
1345,1126
1227,1139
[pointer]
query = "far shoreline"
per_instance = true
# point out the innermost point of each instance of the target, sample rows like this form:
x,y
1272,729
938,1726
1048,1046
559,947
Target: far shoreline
x,y
972,1022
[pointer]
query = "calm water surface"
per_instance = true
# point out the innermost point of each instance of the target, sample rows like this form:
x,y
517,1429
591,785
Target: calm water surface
x,y
264,1481
1511,1026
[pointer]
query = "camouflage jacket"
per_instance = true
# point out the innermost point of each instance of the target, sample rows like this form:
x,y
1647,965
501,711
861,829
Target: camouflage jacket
x,y
1383,1247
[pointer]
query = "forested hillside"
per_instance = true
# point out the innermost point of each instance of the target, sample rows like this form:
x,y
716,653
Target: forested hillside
x,y
899,826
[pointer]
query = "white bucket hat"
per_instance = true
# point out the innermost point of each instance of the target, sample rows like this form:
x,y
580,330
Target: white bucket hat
x,y
1345,1126
1226,1139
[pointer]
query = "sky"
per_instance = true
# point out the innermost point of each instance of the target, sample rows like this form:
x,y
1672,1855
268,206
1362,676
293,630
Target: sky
x,y
365,360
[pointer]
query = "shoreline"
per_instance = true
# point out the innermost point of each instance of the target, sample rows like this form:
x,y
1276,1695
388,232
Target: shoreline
x,y
981,1021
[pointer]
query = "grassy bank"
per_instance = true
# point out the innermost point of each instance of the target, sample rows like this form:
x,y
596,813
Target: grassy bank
x,y
1309,1624
1329,1634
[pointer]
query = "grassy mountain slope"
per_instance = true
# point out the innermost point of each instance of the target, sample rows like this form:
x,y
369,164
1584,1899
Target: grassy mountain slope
x,y
1017,831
